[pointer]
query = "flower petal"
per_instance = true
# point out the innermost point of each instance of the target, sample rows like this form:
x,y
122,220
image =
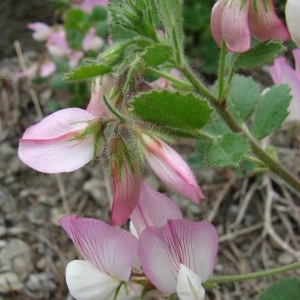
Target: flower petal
x,y
216,21
264,23
86,282
189,285
292,12
162,250
48,146
101,85
170,167
235,28
47,68
100,244
146,213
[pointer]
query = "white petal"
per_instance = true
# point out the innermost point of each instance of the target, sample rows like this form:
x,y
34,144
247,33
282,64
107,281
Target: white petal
x,y
86,282
189,285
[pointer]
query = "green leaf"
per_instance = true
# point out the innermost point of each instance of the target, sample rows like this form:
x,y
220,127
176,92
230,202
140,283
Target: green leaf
x,y
74,15
99,13
156,54
216,126
175,111
259,55
242,97
87,71
227,151
271,111
284,289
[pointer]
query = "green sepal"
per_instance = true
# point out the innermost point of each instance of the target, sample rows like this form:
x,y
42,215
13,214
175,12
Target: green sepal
x,y
156,54
87,71
117,291
259,55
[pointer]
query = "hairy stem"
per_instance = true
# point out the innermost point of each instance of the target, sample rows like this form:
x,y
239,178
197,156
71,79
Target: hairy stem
x,y
220,107
255,275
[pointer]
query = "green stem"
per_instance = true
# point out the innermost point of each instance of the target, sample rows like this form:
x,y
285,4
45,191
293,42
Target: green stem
x,y
254,275
130,74
116,113
270,162
170,77
221,74
254,160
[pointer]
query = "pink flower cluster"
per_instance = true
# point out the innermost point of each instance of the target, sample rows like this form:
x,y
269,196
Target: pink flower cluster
x,y
70,138
57,45
174,255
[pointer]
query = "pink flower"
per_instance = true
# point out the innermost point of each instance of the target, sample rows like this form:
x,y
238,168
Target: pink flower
x,y
91,41
30,73
47,68
61,142
100,86
146,212
168,165
292,13
88,5
58,47
41,31
282,73
126,178
108,258
179,257
235,21
57,44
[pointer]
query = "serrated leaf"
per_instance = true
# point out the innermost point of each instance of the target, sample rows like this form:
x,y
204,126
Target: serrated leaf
x,y
156,54
227,151
271,111
285,289
259,55
175,111
242,97
87,71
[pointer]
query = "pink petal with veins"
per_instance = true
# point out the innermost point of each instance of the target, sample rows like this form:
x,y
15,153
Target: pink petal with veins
x,y
101,244
170,167
235,28
162,250
146,213
216,21
48,146
264,23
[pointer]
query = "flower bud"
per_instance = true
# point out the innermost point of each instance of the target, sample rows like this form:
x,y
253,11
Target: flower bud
x,y
168,164
126,177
